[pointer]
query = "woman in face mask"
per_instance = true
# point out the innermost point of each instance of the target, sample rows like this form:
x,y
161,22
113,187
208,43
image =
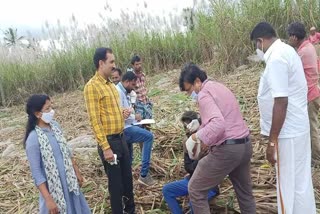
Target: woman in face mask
x,y
53,168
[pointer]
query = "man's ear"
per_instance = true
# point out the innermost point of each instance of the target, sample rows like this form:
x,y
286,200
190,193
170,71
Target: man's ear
x,y
100,63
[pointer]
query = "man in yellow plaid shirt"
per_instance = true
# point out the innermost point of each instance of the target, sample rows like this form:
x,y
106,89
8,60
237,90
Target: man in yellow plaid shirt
x,y
107,120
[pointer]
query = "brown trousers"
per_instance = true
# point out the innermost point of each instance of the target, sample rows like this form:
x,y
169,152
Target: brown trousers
x,y
313,110
223,160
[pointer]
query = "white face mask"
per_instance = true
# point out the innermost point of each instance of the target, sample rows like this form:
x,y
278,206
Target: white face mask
x,y
194,96
47,116
260,54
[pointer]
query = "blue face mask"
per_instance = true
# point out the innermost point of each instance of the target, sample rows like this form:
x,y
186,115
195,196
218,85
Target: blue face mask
x,y
194,96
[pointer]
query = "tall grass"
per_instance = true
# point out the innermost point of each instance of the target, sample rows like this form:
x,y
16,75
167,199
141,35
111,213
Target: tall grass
x,y
220,36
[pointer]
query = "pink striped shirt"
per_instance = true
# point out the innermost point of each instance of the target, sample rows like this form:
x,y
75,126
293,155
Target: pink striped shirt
x,y
309,59
141,89
220,115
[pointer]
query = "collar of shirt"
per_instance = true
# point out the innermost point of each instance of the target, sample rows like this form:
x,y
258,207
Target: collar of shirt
x,y
203,84
127,96
139,75
270,49
303,44
122,88
101,79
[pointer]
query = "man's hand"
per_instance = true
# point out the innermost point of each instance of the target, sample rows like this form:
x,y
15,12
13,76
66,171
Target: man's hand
x,y
138,117
278,118
191,146
187,175
126,113
271,153
204,150
108,155
195,147
204,147
193,126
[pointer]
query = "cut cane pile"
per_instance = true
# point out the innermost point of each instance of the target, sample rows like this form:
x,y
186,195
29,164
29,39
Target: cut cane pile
x,y
19,195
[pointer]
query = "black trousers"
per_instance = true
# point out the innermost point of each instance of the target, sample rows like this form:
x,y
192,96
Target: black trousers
x,y
119,176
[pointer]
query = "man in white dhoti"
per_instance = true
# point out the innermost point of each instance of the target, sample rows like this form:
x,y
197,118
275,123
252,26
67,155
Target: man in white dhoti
x,y
282,99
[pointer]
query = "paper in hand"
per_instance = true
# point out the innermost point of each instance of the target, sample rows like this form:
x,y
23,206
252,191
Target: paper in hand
x,y
144,122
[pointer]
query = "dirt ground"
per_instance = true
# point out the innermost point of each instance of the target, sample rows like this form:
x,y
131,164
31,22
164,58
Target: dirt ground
x,y
19,195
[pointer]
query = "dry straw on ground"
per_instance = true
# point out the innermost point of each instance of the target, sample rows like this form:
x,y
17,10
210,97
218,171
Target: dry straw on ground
x,y
17,191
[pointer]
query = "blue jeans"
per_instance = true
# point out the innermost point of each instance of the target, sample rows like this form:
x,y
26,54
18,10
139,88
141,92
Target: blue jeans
x,y
136,134
177,189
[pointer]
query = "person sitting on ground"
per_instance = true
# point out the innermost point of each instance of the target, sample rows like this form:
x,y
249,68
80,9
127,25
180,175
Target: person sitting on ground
x,y
116,78
171,191
135,134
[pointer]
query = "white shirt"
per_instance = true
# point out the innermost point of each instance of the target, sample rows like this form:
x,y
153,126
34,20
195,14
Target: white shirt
x,y
283,77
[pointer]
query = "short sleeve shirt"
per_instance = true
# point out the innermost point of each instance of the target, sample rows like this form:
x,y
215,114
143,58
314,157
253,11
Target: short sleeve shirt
x,y
283,77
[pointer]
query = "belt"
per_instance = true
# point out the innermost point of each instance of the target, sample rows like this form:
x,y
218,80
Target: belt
x,y
236,141
115,136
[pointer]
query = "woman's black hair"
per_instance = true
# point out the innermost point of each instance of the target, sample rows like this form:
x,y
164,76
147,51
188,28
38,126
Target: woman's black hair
x,y
189,73
34,104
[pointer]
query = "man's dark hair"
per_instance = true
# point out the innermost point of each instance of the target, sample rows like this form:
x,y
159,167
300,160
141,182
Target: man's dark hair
x,y
129,76
263,30
297,29
134,59
189,73
100,54
188,116
118,70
